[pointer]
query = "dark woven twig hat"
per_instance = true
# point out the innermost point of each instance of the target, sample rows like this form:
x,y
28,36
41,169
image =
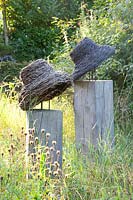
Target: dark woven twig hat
x,y
87,56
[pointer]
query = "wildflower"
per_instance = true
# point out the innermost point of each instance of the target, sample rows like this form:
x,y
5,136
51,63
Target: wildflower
x,y
54,142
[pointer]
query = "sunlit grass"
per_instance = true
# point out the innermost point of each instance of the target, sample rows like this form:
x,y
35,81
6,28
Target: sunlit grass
x,y
103,174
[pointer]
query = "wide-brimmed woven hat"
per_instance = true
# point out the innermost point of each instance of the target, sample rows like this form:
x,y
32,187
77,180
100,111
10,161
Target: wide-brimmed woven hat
x,y
88,55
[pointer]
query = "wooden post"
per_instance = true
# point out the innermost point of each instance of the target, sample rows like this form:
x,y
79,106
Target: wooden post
x,y
93,105
51,121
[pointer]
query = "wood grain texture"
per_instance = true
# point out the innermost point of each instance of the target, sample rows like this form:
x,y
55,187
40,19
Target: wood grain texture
x,y
51,121
93,107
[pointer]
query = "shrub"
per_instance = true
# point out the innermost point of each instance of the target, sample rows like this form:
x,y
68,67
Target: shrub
x,y
10,70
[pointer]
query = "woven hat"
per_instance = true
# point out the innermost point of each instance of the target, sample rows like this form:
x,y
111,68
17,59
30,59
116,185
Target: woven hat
x,y
88,55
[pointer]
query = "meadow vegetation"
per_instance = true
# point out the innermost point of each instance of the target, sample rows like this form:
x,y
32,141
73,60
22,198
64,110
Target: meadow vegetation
x,y
104,174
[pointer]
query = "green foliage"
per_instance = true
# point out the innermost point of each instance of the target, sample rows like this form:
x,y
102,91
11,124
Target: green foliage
x,y
10,70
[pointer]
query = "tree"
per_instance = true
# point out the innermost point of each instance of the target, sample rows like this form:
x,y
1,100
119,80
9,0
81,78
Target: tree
x,y
3,5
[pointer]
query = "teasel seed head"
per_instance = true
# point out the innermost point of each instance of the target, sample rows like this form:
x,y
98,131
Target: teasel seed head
x,y
47,154
43,131
36,140
47,148
55,173
31,143
51,149
53,142
58,152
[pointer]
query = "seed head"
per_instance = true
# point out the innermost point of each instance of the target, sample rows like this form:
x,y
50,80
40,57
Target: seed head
x,y
47,135
2,154
54,142
51,149
25,134
11,135
12,146
36,140
47,154
47,149
31,142
55,173
68,165
43,131
39,151
56,164
58,152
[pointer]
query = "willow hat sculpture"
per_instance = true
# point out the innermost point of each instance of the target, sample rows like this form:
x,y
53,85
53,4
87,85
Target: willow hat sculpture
x,y
42,83
87,56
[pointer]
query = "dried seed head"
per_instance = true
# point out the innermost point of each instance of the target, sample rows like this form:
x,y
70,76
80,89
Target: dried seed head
x,y
50,172
12,146
1,178
47,154
59,171
47,135
47,149
8,175
66,175
39,152
33,130
31,142
11,135
2,154
30,137
68,165
36,140
25,134
43,131
9,150
22,128
32,155
38,158
54,142
55,173
51,149
58,152
56,164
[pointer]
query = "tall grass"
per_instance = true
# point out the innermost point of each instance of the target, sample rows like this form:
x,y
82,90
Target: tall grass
x,y
102,174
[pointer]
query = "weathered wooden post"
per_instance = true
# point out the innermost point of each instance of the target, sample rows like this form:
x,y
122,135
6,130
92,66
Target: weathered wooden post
x,y
51,122
93,106
42,83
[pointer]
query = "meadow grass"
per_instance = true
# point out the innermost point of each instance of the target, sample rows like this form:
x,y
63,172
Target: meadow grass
x,y
103,174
